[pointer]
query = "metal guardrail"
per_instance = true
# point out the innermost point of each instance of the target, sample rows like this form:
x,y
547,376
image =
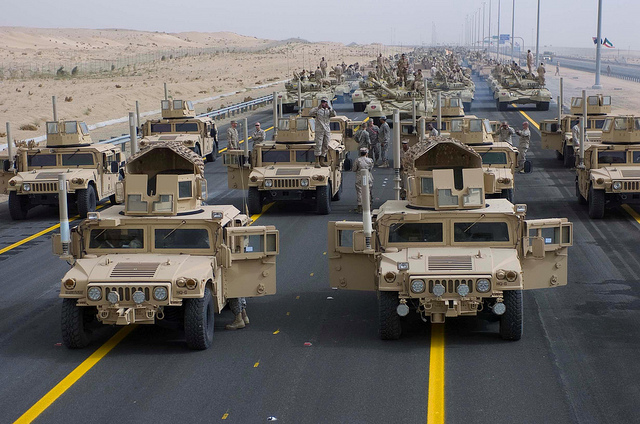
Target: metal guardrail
x,y
216,114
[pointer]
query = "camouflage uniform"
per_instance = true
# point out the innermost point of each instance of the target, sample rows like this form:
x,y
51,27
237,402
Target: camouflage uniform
x,y
363,166
380,64
523,147
530,61
505,134
323,130
362,138
259,135
318,75
373,131
323,68
541,72
403,67
384,135
232,139
237,305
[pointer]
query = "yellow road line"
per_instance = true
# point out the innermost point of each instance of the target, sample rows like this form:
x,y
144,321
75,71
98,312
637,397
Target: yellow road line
x,y
73,376
242,141
226,415
632,212
435,405
534,123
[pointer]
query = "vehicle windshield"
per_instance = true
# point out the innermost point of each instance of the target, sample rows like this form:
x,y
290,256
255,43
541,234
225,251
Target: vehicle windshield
x,y
187,127
38,160
422,232
636,157
77,159
494,158
160,128
475,125
275,156
115,238
456,125
182,238
472,232
607,125
305,155
611,156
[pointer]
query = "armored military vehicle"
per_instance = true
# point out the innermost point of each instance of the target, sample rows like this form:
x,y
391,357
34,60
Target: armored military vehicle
x,y
363,95
163,256
92,170
447,251
283,169
611,172
516,87
180,124
387,99
560,138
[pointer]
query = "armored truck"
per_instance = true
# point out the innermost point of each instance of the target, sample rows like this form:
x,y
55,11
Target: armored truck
x,y
92,170
283,169
165,256
447,251
611,172
180,124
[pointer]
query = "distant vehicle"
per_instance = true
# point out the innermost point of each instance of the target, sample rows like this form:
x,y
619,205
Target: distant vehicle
x,y
548,56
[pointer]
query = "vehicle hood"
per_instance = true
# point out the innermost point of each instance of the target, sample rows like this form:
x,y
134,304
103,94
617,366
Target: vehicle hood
x,y
617,172
51,175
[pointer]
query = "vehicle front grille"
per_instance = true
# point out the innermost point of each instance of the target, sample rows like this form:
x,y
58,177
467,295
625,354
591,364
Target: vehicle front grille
x,y
44,187
450,263
286,183
631,185
135,270
451,286
127,292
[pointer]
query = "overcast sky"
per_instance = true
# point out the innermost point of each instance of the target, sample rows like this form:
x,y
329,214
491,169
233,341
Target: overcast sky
x,y
563,23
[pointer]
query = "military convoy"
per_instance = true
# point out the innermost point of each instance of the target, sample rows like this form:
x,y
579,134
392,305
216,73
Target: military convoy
x,y
448,251
92,170
283,169
164,256
514,86
180,124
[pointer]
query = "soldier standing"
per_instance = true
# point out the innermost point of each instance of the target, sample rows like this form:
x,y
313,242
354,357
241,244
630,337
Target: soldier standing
x,y
403,67
384,135
239,308
323,114
380,64
259,134
362,137
232,136
362,167
323,67
530,61
557,68
373,130
338,71
506,132
541,72
523,145
214,135
318,74
432,131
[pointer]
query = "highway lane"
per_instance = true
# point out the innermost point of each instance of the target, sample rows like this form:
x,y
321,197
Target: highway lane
x,y
572,365
618,70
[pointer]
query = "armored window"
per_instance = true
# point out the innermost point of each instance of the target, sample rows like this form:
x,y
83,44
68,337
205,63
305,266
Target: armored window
x,y
474,198
426,185
275,156
407,129
77,159
115,238
494,158
164,203
84,128
610,156
446,198
190,105
423,232
41,160
160,128
135,203
456,125
636,157
187,127
597,124
475,125
607,125
345,238
177,104
620,124
184,189
551,235
301,124
283,125
335,126
305,155
592,100
471,232
312,124
52,128
455,102
576,102
637,124
71,127
487,126
606,100
165,104
182,238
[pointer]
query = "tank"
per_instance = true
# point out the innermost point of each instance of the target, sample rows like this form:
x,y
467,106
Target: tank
x,y
517,87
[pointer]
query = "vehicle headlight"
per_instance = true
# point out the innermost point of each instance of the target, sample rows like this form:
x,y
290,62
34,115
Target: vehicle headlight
x,y
160,293
94,294
463,290
512,275
77,180
483,285
26,187
403,266
192,283
69,283
268,183
501,274
113,297
138,297
181,282
438,290
418,286
617,185
304,183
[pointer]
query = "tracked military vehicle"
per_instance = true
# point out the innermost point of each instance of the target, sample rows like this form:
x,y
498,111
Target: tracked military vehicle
x,y
447,251
515,87
165,256
387,99
560,138
180,124
283,169
611,172
92,170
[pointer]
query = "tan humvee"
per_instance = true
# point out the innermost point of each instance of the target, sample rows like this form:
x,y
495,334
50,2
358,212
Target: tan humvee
x,y
611,173
560,138
164,255
448,251
180,124
283,169
92,170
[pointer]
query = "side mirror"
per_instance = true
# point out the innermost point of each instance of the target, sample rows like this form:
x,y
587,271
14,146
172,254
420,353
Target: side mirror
x,y
114,167
537,247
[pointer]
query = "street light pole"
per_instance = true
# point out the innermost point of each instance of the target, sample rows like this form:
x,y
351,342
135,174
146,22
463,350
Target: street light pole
x,y
490,36
498,31
538,35
513,25
597,85
483,4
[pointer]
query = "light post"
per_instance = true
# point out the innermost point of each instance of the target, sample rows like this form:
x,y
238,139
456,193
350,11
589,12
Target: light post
x,y
597,85
513,25
498,49
483,36
538,35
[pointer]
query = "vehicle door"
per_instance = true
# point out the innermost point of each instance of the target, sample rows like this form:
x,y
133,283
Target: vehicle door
x,y
351,265
237,171
249,261
545,246
551,135
111,162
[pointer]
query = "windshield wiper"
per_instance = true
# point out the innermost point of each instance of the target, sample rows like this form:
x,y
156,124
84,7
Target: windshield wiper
x,y
473,223
174,230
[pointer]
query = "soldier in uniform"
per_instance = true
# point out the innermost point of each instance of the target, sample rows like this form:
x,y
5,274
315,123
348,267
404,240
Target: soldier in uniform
x,y
384,136
318,74
523,145
418,80
403,67
362,167
380,64
323,114
239,308
214,135
432,131
529,61
362,137
506,132
541,72
232,137
373,131
259,134
338,71
323,67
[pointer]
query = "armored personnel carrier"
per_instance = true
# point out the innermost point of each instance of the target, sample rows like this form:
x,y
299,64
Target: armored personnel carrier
x,y
283,169
163,256
447,251
515,87
92,170
611,172
560,138
180,124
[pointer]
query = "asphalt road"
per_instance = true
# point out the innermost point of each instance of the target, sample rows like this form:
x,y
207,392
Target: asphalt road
x,y
576,361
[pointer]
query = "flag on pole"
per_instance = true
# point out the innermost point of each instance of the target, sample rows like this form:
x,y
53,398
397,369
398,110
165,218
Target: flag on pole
x,y
605,43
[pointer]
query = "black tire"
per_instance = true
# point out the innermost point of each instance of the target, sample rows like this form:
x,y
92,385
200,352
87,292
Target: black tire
x,y
347,164
254,201
211,157
511,320
542,106
74,322
596,203
197,151
18,206
198,321
323,199
568,158
390,325
581,199
338,194
507,193
112,199
86,200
